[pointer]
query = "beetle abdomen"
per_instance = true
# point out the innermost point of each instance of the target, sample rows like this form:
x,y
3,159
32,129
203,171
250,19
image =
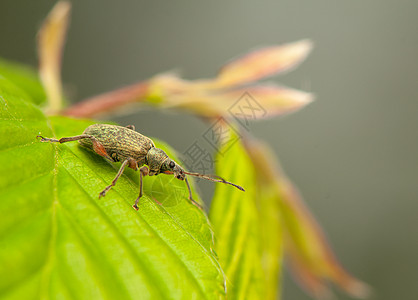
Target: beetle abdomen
x,y
119,142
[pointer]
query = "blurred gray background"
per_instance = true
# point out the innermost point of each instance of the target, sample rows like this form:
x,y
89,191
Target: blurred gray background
x,y
352,153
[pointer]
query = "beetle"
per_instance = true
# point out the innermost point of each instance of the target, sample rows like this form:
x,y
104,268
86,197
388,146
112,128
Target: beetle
x,y
133,150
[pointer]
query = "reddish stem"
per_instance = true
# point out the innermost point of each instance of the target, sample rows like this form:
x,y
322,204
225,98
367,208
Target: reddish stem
x,y
108,102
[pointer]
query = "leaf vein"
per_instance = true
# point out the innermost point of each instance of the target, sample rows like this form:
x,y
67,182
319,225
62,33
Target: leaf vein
x,y
46,273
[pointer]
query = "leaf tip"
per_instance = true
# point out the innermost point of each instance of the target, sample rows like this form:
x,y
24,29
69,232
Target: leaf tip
x,y
359,289
301,48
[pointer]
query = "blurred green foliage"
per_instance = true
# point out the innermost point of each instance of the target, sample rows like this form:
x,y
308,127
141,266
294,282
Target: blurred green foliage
x,y
247,226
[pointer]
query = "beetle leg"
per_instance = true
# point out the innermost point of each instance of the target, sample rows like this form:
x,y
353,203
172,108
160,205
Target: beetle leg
x,y
190,195
120,172
143,171
131,127
132,164
97,146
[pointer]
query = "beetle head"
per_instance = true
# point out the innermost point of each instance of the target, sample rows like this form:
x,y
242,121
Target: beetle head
x,y
159,162
171,167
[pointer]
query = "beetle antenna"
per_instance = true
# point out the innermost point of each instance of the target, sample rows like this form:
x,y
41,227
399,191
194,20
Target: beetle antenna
x,y
215,178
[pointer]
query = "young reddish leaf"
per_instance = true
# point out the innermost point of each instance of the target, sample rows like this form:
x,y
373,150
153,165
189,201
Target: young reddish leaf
x,y
170,91
212,97
312,258
108,102
51,38
264,62
309,250
272,99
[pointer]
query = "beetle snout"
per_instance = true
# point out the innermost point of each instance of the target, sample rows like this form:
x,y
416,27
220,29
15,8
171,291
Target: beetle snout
x,y
180,175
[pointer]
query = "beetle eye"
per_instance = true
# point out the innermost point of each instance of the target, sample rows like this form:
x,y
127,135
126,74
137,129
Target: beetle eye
x,y
171,164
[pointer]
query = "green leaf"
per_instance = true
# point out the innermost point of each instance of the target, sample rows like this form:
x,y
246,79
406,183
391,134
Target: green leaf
x,y
24,77
247,225
58,240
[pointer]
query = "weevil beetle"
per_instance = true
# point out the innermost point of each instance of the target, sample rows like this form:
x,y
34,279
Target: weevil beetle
x,y
132,149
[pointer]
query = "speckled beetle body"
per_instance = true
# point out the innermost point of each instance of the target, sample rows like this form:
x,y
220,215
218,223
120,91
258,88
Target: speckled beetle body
x,y
132,149
119,142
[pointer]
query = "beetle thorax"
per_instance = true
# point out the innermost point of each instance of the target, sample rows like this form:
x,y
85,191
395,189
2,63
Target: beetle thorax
x,y
155,158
